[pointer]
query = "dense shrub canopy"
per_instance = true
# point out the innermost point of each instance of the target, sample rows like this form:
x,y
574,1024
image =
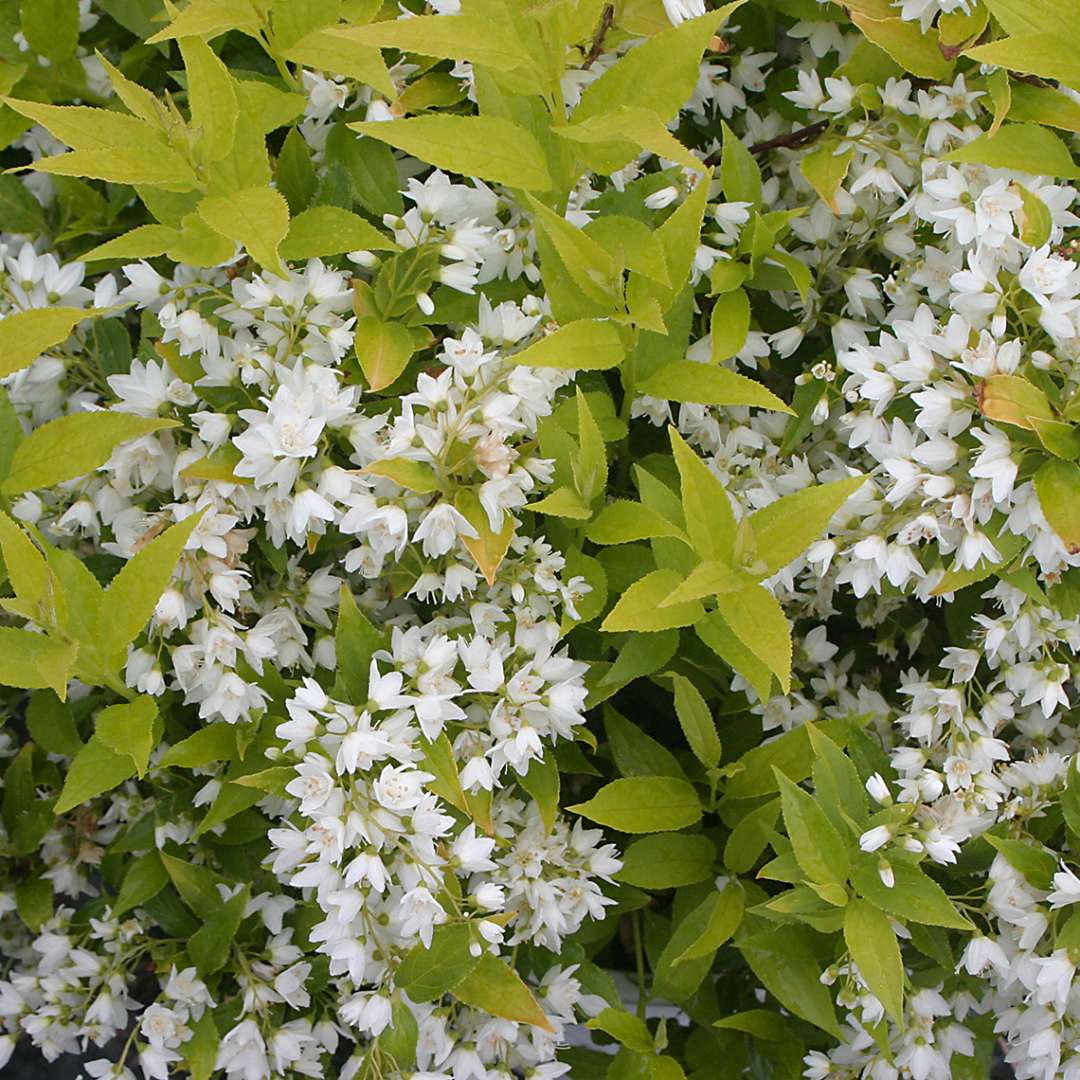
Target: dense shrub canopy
x,y
541,538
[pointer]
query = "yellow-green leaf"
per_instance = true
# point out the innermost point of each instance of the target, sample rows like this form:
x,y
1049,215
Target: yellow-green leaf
x,y
583,345
257,217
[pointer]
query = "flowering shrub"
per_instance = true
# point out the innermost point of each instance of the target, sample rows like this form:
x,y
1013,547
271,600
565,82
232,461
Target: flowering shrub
x,y
531,524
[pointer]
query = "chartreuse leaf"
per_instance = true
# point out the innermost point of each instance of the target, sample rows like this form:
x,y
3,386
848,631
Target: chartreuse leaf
x,y
330,230
72,446
25,335
904,41
35,662
28,573
1027,148
820,850
784,529
729,324
129,729
256,217
658,75
1057,483
870,939
668,861
586,261
758,621
582,345
639,606
427,973
212,100
590,465
623,521
107,145
836,783
479,39
696,721
704,384
1037,224
489,547
718,635
94,770
825,168
643,804
383,348
496,988
329,51
638,128
208,18
52,725
710,521
710,579
485,146
215,742
133,594
1048,55
142,242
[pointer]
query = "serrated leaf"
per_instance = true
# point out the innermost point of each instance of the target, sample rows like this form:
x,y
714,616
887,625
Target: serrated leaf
x,y
133,594
623,522
256,217
639,606
913,896
696,721
1026,148
739,172
35,662
72,446
208,18
703,384
25,335
710,520
485,146
729,324
356,642
383,349
212,100
668,861
1057,483
332,51
94,770
331,230
145,878
870,939
583,345
785,528
639,128
215,742
758,621
643,804
494,987
821,851
128,729
723,914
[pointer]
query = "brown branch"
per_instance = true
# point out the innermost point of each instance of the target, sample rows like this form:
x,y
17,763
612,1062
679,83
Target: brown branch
x,y
607,17
793,139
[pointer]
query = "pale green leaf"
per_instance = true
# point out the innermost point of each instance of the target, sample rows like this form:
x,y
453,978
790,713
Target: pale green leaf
x,y
72,446
208,18
497,989
25,335
330,230
333,51
212,100
710,521
704,384
759,622
35,662
256,217
639,606
583,345
133,594
643,804
729,324
825,169
485,146
1057,483
129,729
383,349
1027,148
95,769
739,172
623,521
640,128
696,721
820,850
724,912
787,527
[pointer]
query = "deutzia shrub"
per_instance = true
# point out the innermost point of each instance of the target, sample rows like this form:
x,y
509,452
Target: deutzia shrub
x,y
540,539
